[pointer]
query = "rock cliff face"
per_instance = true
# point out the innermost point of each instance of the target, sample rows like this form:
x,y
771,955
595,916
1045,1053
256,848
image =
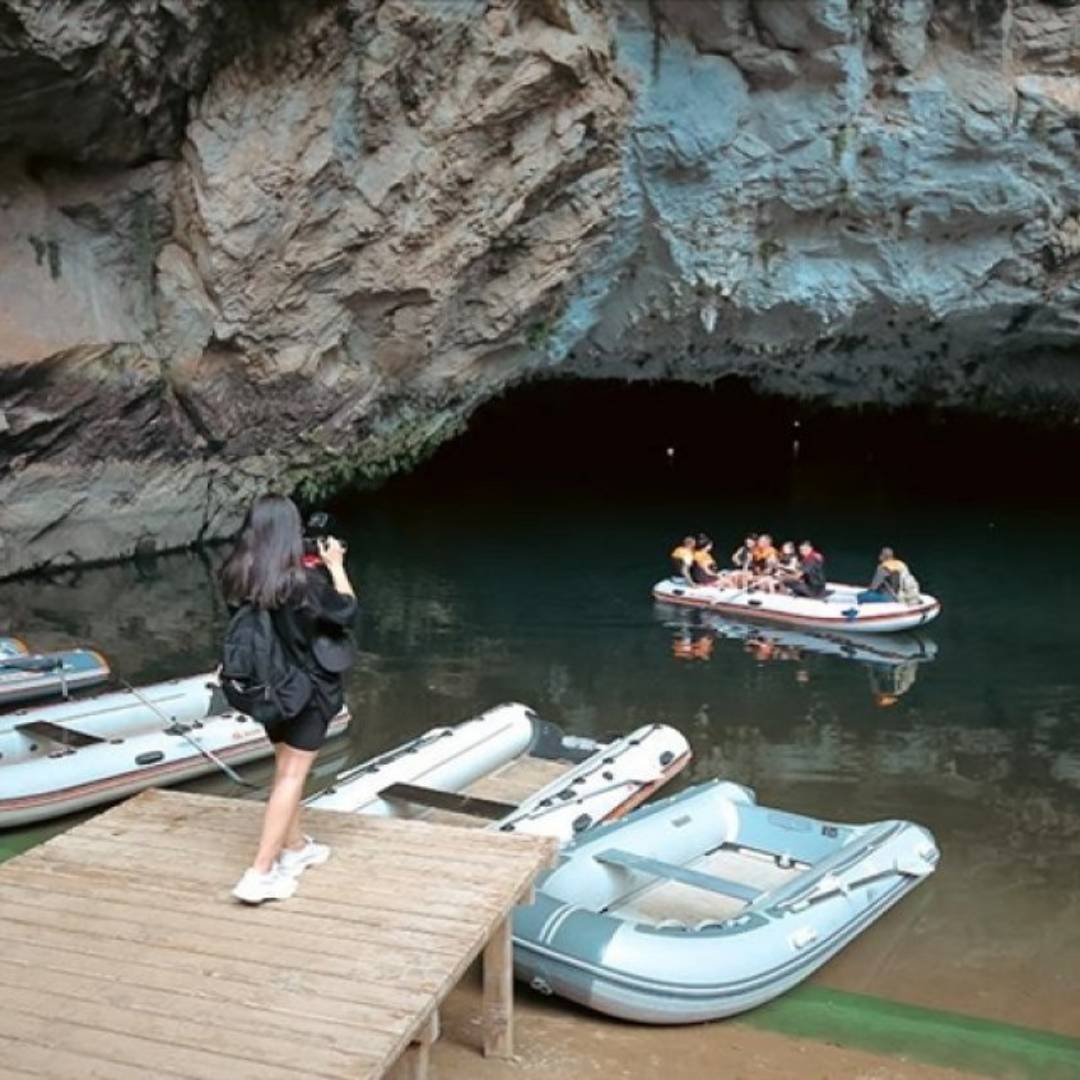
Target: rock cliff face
x,y
286,243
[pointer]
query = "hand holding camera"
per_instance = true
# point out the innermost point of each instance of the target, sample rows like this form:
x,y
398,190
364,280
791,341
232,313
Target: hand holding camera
x,y
319,542
331,551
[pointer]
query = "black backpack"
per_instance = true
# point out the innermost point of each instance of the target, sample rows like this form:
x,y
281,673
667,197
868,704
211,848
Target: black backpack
x,y
259,676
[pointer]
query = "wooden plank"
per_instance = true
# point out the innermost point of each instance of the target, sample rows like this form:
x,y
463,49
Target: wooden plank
x,y
245,1053
513,783
455,801
380,967
154,1058
107,971
519,779
226,1014
124,952
58,1064
64,736
352,839
27,1069
215,814
382,861
213,950
257,972
50,889
499,992
461,894
217,919
430,882
383,896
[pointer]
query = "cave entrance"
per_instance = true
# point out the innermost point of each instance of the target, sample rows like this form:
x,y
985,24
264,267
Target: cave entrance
x,y
647,441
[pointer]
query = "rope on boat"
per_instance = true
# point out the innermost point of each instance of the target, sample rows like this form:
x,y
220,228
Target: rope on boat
x,y
179,729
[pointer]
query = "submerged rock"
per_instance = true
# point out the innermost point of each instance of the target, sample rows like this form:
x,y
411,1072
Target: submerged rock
x,y
246,244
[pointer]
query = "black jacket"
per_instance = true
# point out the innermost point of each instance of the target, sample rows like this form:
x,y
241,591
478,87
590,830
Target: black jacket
x,y
317,628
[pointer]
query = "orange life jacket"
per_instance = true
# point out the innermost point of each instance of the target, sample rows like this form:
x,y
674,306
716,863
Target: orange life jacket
x,y
705,560
763,556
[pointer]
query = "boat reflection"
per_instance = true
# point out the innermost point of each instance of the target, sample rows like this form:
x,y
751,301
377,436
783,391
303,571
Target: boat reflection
x,y
891,662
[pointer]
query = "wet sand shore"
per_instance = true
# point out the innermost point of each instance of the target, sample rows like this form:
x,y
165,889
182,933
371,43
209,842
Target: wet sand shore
x,y
556,1039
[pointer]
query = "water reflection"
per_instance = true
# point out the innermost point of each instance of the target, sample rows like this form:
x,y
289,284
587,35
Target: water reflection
x,y
891,662
466,605
153,619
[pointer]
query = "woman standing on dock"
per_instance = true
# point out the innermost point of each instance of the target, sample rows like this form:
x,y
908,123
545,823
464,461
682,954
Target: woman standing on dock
x,y
311,610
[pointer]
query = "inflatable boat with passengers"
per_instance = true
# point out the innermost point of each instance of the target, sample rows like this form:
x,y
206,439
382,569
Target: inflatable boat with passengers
x,y
837,610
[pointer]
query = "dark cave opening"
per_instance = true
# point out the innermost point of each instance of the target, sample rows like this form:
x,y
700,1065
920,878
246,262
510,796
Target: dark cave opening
x,y
610,439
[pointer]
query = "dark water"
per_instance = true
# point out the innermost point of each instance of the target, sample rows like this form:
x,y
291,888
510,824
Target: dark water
x,y
518,565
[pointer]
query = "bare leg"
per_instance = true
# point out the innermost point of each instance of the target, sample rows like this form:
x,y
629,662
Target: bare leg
x,y
283,807
294,838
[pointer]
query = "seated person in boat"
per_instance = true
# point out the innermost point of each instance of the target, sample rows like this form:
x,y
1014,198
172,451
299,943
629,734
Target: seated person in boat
x,y
741,559
787,563
682,559
885,586
811,579
763,562
703,570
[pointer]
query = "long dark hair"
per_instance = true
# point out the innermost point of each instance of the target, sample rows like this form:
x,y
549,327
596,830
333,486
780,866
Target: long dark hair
x,y
266,568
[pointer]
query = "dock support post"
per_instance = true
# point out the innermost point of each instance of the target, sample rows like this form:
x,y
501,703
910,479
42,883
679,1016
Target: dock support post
x,y
499,993
414,1062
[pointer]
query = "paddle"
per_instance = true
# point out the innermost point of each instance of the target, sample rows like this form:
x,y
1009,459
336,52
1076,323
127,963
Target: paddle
x,y
179,729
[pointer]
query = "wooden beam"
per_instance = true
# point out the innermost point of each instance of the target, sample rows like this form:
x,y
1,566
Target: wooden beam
x,y
415,1062
453,801
499,992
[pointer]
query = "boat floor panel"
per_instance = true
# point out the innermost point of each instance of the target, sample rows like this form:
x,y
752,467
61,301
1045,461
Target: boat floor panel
x,y
513,783
65,736
691,905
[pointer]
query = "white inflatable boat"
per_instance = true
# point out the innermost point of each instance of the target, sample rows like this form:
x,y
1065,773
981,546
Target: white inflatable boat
x,y
456,770
838,610
26,676
60,758
704,904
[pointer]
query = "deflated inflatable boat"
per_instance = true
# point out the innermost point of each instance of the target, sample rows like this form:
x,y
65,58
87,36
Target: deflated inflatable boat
x,y
704,904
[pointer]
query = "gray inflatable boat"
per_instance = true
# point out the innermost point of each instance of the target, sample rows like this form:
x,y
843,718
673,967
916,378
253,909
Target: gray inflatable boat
x,y
705,904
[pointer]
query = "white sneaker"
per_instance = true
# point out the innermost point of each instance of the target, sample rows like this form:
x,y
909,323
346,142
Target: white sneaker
x,y
294,863
254,888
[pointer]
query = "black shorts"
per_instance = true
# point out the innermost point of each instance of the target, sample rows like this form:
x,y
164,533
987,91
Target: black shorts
x,y
307,730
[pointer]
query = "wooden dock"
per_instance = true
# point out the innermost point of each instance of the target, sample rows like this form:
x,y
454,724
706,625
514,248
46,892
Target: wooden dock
x,y
122,955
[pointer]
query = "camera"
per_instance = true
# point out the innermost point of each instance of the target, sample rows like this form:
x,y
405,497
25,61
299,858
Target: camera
x,y
319,526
